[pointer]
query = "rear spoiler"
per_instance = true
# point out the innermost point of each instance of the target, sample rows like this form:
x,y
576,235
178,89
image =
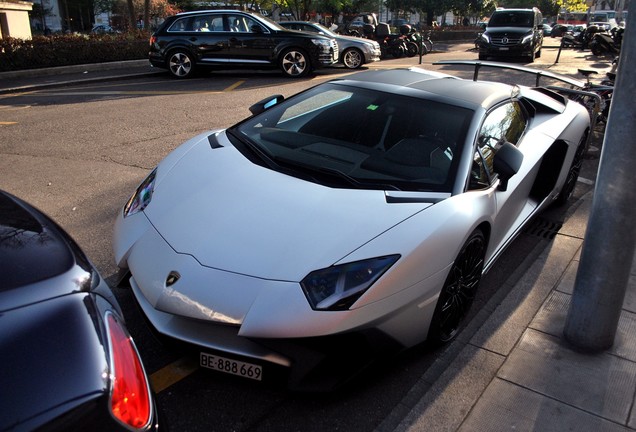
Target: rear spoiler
x,y
536,72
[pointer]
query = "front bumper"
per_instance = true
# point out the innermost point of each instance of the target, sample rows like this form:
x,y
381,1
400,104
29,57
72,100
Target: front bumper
x,y
505,50
372,55
328,56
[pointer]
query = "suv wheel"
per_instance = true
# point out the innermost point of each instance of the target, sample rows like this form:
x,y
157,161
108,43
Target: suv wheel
x,y
294,63
180,64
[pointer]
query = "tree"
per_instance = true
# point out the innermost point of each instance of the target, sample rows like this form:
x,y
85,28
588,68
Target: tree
x,y
432,8
157,9
39,12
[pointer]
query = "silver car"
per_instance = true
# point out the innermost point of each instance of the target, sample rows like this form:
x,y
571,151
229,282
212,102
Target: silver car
x,y
351,220
354,51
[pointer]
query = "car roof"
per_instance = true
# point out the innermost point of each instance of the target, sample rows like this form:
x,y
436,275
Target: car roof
x,y
207,11
418,82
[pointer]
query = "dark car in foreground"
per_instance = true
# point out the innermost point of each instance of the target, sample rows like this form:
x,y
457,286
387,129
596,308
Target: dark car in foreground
x,y
512,33
230,39
354,51
67,360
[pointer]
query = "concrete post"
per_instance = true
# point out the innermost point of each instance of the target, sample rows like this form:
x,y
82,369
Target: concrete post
x,y
610,238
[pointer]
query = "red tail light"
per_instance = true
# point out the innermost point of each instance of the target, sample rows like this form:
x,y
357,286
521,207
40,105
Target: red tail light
x,y
153,39
130,396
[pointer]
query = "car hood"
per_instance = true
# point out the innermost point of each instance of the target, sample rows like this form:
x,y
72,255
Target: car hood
x,y
352,39
520,31
234,215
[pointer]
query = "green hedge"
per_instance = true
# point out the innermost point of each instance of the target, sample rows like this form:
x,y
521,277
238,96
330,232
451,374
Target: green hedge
x,y
73,49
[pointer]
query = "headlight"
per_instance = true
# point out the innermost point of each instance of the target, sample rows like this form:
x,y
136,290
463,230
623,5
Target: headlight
x,y
338,287
485,38
142,196
322,43
526,39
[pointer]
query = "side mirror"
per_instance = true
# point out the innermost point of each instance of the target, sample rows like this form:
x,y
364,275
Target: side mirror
x,y
266,103
507,163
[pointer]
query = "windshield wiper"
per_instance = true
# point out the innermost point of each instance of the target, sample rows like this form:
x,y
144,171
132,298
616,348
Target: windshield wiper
x,y
255,150
354,181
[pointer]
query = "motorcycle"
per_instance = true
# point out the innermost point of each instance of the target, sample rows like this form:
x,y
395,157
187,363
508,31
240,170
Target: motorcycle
x,y
582,40
606,43
395,45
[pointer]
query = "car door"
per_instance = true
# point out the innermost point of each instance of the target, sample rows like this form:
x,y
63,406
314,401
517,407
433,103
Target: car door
x,y
249,42
204,36
505,123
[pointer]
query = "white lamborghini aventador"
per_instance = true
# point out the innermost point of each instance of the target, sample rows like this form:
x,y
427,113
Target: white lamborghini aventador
x,y
350,220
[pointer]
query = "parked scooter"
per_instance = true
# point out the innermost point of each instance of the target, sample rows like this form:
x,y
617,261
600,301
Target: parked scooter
x,y
607,43
583,39
395,45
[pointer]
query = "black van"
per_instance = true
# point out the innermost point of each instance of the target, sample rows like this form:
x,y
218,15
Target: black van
x,y
513,33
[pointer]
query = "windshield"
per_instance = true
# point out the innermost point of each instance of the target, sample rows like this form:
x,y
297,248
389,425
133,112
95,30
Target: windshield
x,y
365,138
512,19
269,22
325,30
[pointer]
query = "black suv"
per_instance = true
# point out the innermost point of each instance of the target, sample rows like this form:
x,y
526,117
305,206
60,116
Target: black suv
x,y
229,38
513,33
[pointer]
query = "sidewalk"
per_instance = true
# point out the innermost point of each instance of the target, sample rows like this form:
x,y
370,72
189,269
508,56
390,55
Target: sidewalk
x,y
516,372
11,82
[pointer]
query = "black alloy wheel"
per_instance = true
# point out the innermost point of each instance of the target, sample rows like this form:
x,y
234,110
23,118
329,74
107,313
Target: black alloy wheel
x,y
294,63
460,288
573,174
180,64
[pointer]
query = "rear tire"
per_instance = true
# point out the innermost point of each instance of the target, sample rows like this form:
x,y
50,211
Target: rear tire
x,y
573,174
412,49
459,290
180,64
426,43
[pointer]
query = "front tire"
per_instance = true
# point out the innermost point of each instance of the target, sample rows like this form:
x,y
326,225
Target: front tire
x,y
397,51
181,64
294,63
459,290
352,58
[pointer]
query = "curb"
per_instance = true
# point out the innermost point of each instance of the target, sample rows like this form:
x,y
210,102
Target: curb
x,y
59,70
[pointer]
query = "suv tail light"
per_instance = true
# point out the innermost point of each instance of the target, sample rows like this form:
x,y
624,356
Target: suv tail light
x,y
153,39
130,399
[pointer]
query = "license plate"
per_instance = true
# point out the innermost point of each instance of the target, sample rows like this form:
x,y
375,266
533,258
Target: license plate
x,y
234,367
504,49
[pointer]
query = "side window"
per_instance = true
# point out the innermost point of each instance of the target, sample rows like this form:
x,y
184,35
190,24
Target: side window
x,y
309,29
181,25
240,23
505,123
207,23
